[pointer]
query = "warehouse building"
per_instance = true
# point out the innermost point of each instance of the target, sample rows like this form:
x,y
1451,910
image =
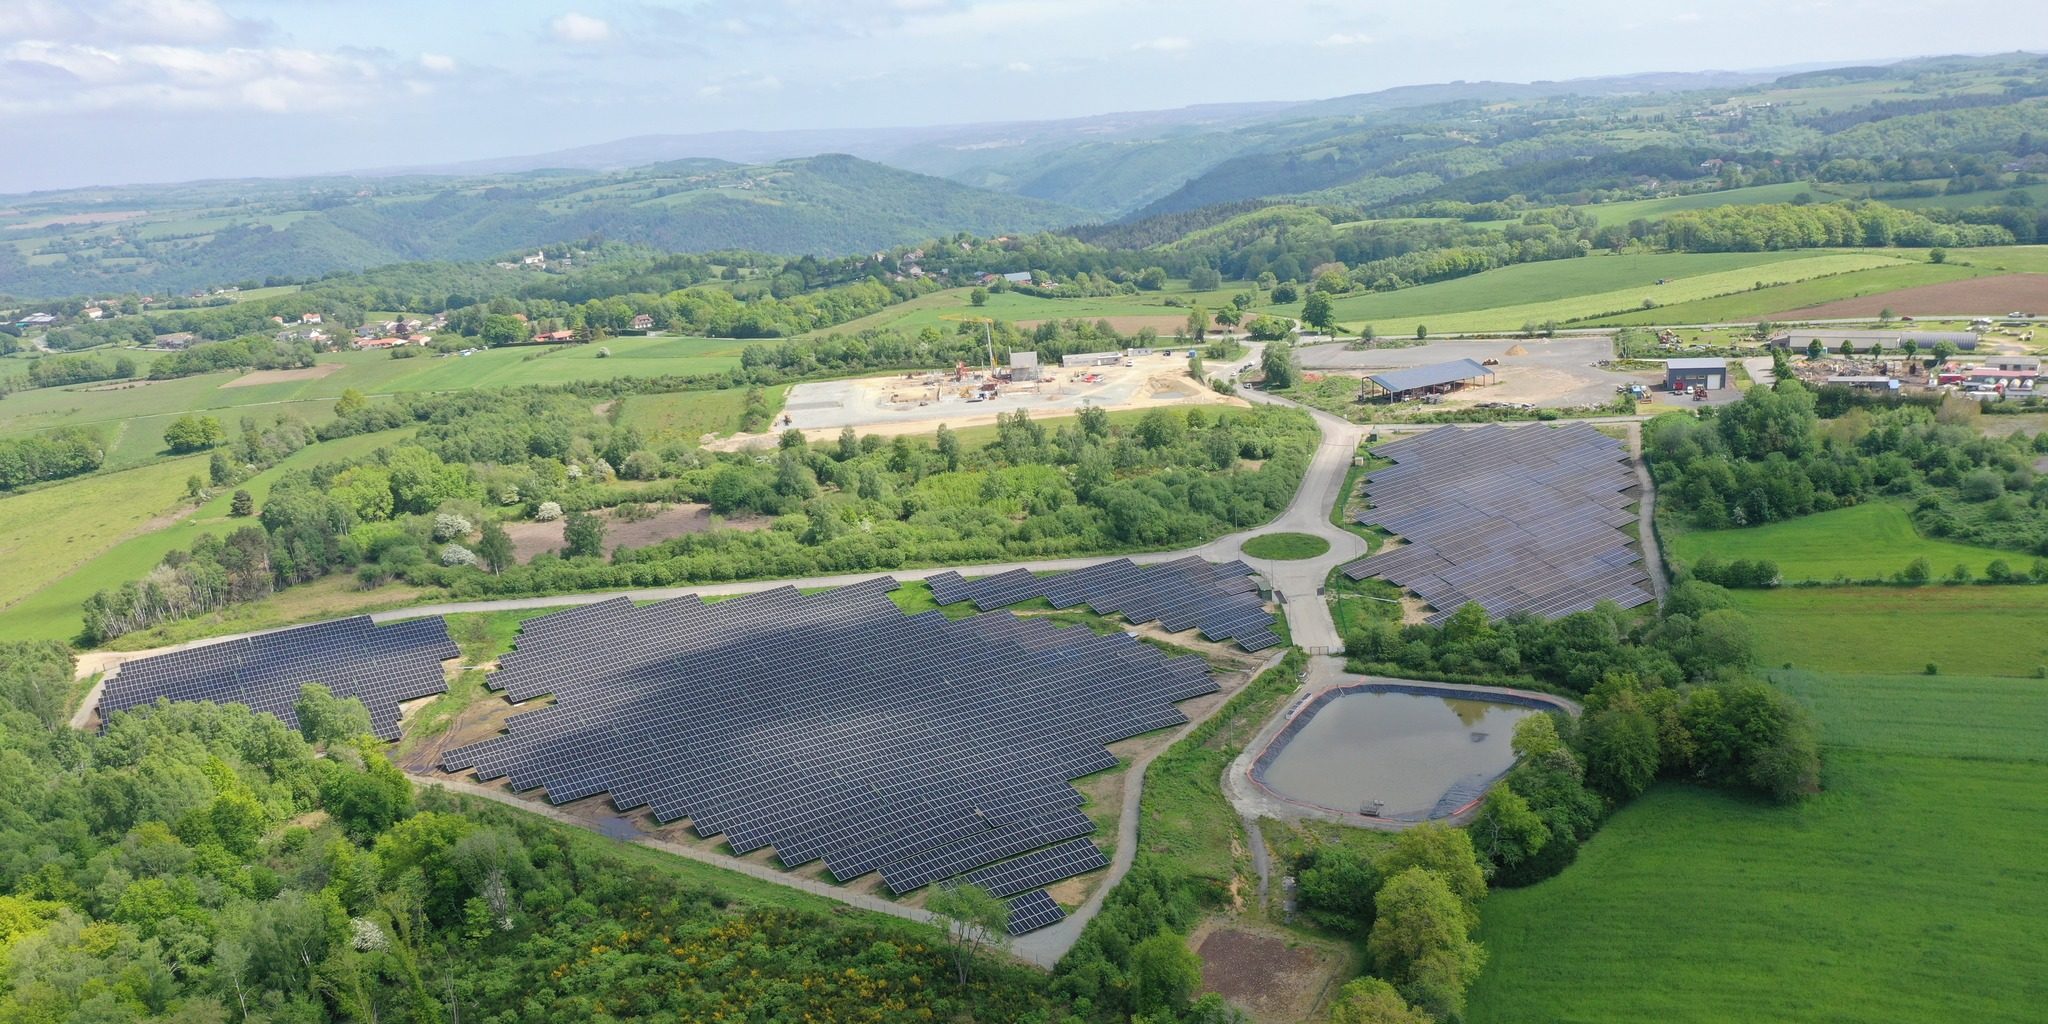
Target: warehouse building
x,y
1433,379
1686,374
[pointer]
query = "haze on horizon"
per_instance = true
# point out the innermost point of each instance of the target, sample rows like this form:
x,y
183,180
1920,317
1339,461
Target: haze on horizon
x,y
98,92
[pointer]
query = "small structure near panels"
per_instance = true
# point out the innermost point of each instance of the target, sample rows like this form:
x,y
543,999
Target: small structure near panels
x,y
1513,519
1433,379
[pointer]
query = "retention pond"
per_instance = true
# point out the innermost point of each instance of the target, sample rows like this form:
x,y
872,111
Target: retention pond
x,y
1395,751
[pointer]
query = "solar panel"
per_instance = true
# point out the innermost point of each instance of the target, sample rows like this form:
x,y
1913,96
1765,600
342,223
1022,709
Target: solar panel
x,y
1524,519
1188,593
1043,867
381,666
1032,911
832,726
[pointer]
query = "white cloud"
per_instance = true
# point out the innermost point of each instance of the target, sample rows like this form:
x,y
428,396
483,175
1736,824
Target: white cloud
x,y
580,29
1165,44
1017,66
1344,39
107,22
45,77
439,63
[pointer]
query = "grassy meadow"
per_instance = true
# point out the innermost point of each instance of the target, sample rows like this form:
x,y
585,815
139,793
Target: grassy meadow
x,y
1586,288
1971,630
48,606
48,532
1870,541
1908,890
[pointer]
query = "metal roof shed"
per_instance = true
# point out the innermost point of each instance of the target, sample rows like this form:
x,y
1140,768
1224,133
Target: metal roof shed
x,y
1434,375
1683,374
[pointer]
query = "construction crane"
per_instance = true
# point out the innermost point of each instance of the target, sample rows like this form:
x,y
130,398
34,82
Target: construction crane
x,y
988,334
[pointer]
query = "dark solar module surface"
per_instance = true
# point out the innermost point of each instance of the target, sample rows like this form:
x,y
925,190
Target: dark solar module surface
x,y
1514,519
1221,600
383,666
834,727
1032,911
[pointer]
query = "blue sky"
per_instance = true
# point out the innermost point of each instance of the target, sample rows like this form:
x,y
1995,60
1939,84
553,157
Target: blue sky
x,y
115,91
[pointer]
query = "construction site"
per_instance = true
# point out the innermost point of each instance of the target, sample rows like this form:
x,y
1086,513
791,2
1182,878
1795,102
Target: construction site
x,y
963,396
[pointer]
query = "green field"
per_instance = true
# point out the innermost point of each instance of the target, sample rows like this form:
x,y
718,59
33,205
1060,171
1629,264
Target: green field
x,y
48,532
1860,542
934,309
1760,303
1972,630
1583,288
1909,890
50,610
1654,209
134,417
689,415
1286,546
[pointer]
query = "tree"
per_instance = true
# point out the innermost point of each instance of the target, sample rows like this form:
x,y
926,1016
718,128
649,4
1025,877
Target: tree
x,y
1198,323
1336,886
1317,312
1421,943
1937,255
220,469
1164,975
325,718
978,297
1910,347
1886,315
1373,1001
193,433
1944,351
1152,279
582,536
947,444
1279,365
1195,369
495,547
1368,334
1421,332
243,504
1205,278
1507,831
973,920
365,800
350,402
500,329
1814,349
1443,851
1622,752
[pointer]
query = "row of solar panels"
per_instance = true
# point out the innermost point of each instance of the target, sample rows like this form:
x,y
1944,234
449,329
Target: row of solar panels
x,y
832,726
1188,593
381,666
1513,519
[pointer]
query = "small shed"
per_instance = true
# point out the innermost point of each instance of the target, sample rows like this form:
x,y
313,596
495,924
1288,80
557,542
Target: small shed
x,y
1023,366
1433,379
1686,374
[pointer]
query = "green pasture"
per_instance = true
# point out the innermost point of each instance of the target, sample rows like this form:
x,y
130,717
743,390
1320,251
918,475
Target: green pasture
x,y
1653,209
1496,297
1285,546
134,417
1870,541
1759,303
49,608
689,415
1971,630
1909,889
934,309
50,531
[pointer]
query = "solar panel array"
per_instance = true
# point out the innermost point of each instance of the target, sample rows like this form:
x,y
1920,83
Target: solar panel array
x,y
832,726
382,666
1222,600
1514,519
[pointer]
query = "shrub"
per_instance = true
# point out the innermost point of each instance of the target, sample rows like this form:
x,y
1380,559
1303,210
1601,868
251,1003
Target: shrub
x,y
547,512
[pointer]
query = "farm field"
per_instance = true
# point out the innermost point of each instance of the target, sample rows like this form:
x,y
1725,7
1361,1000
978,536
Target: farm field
x,y
1870,541
1584,288
50,609
48,532
1652,209
1907,890
1879,287
689,415
1971,630
144,409
1987,293
930,310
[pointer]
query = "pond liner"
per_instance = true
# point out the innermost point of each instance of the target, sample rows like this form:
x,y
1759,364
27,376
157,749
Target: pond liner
x,y
1460,797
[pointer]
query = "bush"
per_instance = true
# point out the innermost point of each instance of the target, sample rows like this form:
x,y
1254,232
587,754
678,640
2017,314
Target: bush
x,y
547,512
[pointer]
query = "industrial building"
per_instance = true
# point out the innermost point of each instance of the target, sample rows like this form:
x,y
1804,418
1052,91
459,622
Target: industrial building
x,y
1091,359
1433,379
1686,374
1831,339
1023,366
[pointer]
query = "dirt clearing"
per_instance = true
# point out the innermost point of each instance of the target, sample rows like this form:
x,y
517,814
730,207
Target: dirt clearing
x,y
256,377
531,539
1274,976
1980,296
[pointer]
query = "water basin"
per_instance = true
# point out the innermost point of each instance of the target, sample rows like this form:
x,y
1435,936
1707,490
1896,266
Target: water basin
x,y
1403,752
